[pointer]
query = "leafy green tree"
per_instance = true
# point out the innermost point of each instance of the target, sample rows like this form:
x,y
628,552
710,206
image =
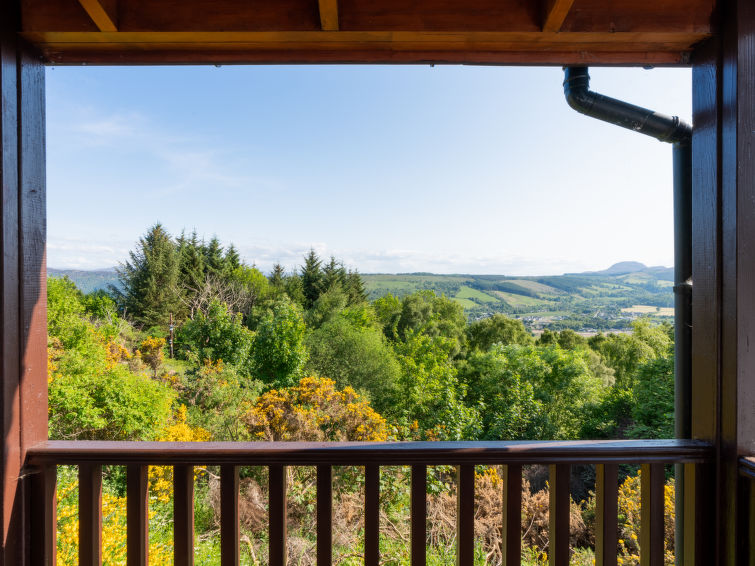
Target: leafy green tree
x,y
504,398
426,313
355,355
388,311
497,329
217,335
429,391
149,279
326,307
217,398
278,351
232,260
653,407
92,394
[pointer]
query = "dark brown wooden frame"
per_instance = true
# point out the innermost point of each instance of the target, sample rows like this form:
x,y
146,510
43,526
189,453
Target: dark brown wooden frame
x,y
723,393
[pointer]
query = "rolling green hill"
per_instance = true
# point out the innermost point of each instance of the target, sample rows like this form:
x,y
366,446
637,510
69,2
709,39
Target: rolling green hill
x,y
592,301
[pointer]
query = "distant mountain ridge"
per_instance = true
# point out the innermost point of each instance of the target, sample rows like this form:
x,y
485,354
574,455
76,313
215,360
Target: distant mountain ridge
x,y
626,267
88,280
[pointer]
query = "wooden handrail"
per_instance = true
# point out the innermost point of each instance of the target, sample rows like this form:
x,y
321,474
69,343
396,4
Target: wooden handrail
x,y
367,453
90,456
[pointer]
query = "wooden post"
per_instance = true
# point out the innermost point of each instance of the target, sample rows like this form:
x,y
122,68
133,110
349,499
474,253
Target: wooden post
x,y
23,312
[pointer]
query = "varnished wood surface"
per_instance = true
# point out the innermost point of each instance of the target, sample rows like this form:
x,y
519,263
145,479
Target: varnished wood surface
x,y
315,31
363,453
365,46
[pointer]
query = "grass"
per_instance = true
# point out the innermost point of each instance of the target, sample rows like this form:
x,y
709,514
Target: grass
x,y
469,293
536,287
519,300
466,303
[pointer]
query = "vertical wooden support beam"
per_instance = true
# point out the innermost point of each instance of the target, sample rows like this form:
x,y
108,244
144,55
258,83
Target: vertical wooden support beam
x,y
23,326
699,514
736,155
324,515
371,515
749,535
558,518
90,514
606,514
137,515
44,520
512,515
419,515
229,515
277,515
699,517
183,515
651,515
465,515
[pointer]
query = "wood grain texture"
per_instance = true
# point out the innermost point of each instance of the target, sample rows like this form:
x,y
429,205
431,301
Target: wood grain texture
x,y
43,523
10,360
418,503
465,513
365,46
699,514
606,514
137,515
652,516
372,515
229,515
558,516
328,15
90,514
104,13
183,515
277,513
555,14
324,515
366,453
511,539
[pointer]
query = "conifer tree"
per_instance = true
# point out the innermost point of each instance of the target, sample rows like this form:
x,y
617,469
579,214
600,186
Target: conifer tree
x,y
232,259
191,262
311,278
355,289
149,279
333,275
213,257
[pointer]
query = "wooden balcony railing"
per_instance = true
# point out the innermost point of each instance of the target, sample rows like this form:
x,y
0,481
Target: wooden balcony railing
x,y
137,456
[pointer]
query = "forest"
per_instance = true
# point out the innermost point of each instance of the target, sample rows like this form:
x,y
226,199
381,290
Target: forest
x,y
194,344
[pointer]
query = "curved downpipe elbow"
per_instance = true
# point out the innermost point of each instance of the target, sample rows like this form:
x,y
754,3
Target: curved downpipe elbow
x,y
579,96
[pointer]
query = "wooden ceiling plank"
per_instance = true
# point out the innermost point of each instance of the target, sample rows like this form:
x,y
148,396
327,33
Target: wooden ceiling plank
x,y
328,15
555,14
104,13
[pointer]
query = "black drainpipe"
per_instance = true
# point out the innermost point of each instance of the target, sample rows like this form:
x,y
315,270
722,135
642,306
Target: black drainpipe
x,y
672,130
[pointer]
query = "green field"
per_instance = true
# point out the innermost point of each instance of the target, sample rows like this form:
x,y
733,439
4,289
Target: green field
x,y
469,293
519,300
539,288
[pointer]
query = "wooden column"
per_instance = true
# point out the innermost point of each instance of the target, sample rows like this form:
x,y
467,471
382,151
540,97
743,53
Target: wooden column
x,y
23,313
723,388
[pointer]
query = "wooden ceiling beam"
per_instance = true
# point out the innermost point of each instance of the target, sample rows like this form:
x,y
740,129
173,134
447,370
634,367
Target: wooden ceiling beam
x,y
555,14
104,13
328,15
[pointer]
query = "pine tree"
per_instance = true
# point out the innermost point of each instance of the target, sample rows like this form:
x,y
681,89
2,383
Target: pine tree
x,y
149,280
311,278
232,259
191,262
213,257
355,288
333,275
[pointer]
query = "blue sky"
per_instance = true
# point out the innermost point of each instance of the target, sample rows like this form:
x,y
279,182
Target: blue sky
x,y
450,169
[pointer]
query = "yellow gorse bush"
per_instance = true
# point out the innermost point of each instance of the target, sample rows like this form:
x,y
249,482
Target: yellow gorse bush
x,y
161,477
113,529
314,410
